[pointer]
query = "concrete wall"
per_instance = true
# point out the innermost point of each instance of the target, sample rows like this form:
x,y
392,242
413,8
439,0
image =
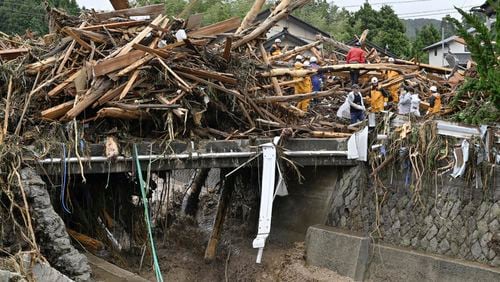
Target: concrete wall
x,y
359,258
448,217
436,59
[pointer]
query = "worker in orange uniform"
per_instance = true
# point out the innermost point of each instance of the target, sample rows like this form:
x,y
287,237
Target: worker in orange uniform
x,y
395,88
434,101
276,48
302,87
377,96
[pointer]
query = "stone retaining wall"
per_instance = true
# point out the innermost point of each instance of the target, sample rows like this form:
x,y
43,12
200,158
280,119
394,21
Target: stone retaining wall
x,y
452,218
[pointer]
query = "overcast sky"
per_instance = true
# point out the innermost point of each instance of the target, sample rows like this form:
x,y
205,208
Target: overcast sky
x,y
405,9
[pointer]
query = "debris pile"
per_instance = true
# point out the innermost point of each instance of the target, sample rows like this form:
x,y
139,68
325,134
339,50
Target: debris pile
x,y
182,80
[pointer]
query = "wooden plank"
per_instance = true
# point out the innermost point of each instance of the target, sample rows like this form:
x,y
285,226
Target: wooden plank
x,y
222,208
69,31
125,49
110,65
208,74
118,113
56,90
216,28
135,65
120,4
139,11
274,80
9,54
88,99
151,51
129,85
114,25
227,49
110,95
58,111
330,134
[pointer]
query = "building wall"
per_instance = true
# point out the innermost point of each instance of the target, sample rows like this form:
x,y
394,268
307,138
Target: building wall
x,y
293,29
436,54
448,217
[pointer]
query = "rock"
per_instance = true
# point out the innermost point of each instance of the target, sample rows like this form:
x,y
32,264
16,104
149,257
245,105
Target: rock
x,y
454,248
444,246
11,276
396,226
495,210
432,232
496,261
442,233
446,209
428,220
491,255
481,211
476,250
494,226
424,243
485,239
455,210
482,227
414,242
433,245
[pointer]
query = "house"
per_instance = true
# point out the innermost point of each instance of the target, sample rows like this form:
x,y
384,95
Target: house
x,y
291,30
455,52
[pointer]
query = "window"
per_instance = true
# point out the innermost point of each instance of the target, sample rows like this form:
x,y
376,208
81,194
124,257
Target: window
x,y
466,49
435,52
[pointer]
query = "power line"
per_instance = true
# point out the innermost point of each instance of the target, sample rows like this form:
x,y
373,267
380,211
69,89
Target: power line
x,y
431,11
385,3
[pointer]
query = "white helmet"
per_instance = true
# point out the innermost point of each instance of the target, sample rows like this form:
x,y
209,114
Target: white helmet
x,y
307,64
391,60
299,58
434,89
277,40
313,59
374,80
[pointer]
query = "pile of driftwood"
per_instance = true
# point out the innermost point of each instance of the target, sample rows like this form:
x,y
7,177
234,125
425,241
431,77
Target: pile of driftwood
x,y
182,80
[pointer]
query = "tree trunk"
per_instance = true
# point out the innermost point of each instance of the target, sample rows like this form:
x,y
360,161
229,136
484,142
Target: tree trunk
x,y
194,195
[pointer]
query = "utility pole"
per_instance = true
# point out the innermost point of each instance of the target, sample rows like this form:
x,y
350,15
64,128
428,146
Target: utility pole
x,y
442,44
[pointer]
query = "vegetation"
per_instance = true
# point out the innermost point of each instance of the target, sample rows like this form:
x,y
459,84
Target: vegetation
x,y
485,88
19,16
426,36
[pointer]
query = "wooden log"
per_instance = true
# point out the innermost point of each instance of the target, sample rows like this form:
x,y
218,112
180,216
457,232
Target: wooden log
x,y
337,44
110,95
207,74
427,67
286,71
122,114
330,134
216,28
222,208
120,4
282,10
194,192
251,15
287,55
227,49
274,80
284,83
90,244
216,86
151,10
58,111
299,97
42,65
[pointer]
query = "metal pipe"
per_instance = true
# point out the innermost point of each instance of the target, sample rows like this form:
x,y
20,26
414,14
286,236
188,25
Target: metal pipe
x,y
194,156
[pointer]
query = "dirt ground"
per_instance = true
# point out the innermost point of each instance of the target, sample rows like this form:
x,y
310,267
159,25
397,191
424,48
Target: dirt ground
x,y
181,259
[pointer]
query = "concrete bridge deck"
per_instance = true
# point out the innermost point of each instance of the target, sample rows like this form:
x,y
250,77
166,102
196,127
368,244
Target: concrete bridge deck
x,y
200,154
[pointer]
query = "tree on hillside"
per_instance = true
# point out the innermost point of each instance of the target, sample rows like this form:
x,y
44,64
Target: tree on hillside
x,y
18,16
425,36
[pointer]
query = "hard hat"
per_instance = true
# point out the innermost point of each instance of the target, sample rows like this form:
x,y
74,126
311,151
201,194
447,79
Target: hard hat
x,y
299,58
313,59
374,80
391,60
306,64
357,43
297,65
434,89
277,40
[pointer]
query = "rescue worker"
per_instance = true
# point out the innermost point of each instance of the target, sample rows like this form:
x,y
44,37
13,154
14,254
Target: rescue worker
x,y
357,107
276,48
317,78
404,105
356,55
415,105
302,87
377,96
434,101
299,59
395,88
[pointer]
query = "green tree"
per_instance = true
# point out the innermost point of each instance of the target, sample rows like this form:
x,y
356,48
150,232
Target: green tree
x,y
485,52
385,28
425,36
18,16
